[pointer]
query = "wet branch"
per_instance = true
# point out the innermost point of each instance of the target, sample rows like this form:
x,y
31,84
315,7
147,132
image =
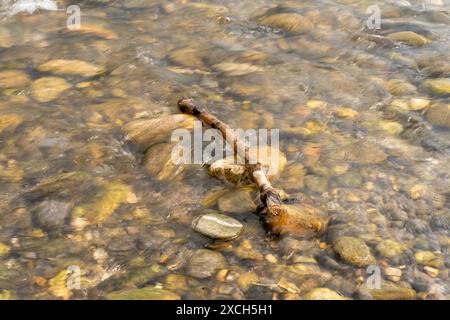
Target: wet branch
x,y
270,197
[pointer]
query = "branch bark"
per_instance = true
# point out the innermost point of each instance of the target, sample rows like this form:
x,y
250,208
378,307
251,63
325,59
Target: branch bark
x,y
270,197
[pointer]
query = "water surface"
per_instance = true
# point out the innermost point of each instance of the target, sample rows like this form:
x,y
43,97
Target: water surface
x,y
357,125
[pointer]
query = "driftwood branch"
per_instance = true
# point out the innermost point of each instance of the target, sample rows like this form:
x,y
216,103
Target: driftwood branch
x,y
270,197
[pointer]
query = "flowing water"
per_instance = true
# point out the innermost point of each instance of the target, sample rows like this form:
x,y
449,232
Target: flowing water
x,y
364,120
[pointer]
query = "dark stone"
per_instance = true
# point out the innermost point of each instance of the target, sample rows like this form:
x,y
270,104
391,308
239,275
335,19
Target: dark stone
x,y
51,214
440,222
121,246
418,226
347,287
421,281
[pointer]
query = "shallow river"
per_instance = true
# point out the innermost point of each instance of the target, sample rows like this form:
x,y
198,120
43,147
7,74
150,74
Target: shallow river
x,y
362,105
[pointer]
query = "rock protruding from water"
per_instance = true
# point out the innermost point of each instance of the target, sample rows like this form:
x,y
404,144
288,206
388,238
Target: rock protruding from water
x,y
273,162
300,221
226,169
217,226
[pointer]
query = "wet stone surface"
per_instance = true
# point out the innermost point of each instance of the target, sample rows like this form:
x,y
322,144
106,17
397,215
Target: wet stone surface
x,y
217,226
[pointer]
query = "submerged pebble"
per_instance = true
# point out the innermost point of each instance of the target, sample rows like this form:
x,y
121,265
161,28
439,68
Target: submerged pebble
x,y
95,29
290,22
354,251
233,69
4,249
438,87
147,132
393,274
71,67
204,263
110,197
52,214
48,88
236,201
13,79
146,293
387,291
323,294
10,121
316,183
409,37
390,248
439,115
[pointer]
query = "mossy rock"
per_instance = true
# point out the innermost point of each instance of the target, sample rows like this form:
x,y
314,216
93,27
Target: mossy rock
x,y
390,248
354,251
428,258
390,291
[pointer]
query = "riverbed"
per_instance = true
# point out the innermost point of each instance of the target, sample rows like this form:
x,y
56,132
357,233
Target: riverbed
x,y
359,94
